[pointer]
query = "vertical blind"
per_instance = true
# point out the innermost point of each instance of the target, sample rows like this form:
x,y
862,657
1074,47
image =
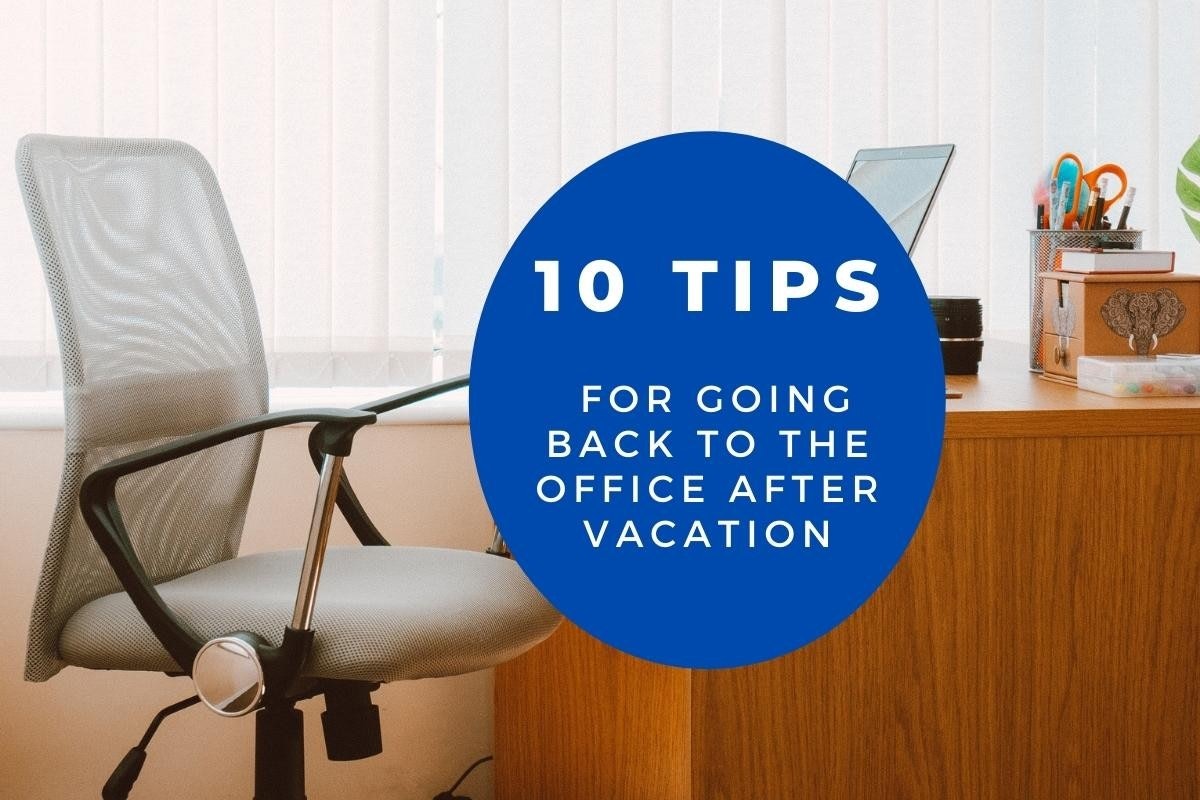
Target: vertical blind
x,y
378,157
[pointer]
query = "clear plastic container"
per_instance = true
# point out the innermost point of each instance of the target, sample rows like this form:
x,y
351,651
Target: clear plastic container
x,y
1140,376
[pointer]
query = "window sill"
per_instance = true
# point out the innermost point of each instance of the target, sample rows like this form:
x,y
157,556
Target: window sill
x,y
43,410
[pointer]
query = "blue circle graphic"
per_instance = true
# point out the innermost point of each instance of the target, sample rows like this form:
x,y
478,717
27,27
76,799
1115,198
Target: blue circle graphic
x,y
706,429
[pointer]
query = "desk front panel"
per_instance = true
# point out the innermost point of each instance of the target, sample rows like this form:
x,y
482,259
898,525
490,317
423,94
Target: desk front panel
x,y
1039,639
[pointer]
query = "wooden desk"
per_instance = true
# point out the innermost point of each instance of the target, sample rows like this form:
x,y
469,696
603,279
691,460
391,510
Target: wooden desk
x,y
1039,639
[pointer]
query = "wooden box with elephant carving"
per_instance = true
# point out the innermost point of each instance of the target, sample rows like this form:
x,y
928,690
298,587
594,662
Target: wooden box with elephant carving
x,y
1116,314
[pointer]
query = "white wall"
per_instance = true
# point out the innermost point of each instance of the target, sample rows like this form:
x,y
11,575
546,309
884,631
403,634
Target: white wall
x,y
361,143
59,740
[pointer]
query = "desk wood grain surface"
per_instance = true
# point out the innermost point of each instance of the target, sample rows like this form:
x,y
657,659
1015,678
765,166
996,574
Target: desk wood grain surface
x,y
1039,639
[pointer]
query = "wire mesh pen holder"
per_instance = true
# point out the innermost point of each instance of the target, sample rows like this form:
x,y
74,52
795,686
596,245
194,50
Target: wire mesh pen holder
x,y
1043,256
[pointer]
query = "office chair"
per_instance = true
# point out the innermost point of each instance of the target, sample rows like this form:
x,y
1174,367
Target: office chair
x,y
165,394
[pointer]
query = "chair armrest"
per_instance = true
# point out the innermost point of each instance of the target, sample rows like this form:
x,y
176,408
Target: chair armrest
x,y
347,501
97,501
411,396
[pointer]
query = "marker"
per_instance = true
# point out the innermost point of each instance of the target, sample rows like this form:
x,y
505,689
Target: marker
x,y
1122,223
1058,206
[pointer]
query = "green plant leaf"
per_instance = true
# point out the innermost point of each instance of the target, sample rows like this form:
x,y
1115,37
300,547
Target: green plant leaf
x,y
1192,223
1186,187
1187,190
1191,159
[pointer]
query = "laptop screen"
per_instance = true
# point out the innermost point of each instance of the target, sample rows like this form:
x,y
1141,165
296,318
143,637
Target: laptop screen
x,y
901,183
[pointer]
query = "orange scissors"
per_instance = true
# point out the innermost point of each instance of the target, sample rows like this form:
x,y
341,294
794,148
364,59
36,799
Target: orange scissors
x,y
1070,168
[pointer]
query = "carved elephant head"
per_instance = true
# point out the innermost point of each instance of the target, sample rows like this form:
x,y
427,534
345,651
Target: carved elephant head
x,y
1142,317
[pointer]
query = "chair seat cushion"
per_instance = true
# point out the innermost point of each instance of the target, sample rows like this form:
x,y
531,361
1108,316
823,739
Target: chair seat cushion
x,y
382,613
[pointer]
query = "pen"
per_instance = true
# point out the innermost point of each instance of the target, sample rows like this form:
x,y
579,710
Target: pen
x,y
1124,221
1098,213
1041,210
1085,222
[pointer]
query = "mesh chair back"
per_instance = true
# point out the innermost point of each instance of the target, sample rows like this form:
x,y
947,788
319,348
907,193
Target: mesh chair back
x,y
159,338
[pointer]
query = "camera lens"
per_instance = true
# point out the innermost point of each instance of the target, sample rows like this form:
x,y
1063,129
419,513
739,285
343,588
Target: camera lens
x,y
960,327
